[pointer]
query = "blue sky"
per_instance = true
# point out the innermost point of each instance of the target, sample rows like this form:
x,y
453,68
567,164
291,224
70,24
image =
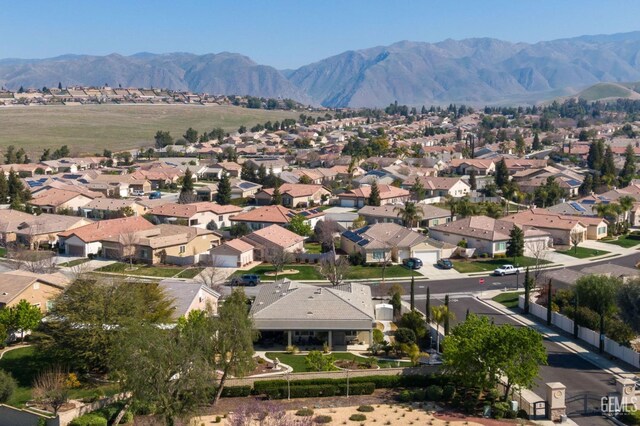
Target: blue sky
x,y
288,34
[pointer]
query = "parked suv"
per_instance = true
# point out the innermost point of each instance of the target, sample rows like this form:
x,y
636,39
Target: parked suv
x,y
444,264
155,195
246,279
412,263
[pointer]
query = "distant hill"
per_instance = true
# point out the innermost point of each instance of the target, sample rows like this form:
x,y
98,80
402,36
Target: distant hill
x,y
607,91
475,71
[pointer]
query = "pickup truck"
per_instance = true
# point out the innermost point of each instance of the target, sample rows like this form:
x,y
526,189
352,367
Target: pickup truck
x,y
506,270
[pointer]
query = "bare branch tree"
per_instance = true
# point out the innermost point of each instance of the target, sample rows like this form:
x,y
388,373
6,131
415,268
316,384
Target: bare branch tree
x,y
334,268
212,275
539,250
279,258
128,242
576,238
50,388
39,262
325,231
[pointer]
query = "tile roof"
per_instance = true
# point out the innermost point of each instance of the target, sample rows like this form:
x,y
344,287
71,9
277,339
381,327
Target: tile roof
x,y
188,210
296,189
386,191
56,197
386,235
266,214
13,283
273,235
389,211
182,294
484,227
541,218
432,182
11,219
291,305
108,228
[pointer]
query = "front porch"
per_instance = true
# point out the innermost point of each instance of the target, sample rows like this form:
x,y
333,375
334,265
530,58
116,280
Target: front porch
x,y
316,339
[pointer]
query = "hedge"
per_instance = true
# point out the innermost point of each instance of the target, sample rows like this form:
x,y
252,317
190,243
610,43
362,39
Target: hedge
x,y
89,420
314,391
380,382
236,391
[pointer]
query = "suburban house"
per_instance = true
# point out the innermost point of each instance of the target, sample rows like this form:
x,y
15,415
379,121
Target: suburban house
x,y
390,242
55,200
430,215
172,244
487,235
229,167
109,208
276,166
440,186
359,197
232,254
294,195
199,215
464,166
302,314
118,185
273,240
10,221
42,231
243,188
87,240
37,289
564,229
262,217
187,297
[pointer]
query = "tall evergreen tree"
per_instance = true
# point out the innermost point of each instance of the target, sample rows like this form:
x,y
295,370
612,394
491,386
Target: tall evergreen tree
x,y
608,164
186,192
417,190
248,172
536,145
596,155
586,187
515,245
223,197
628,172
472,180
277,196
521,147
4,188
502,174
446,318
262,174
413,293
374,196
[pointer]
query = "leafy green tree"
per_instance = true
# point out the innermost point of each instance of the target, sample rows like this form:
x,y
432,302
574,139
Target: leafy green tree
x,y
304,179
299,225
239,230
628,301
549,193
586,187
472,180
10,155
262,174
223,197
413,321
608,164
501,174
191,135
599,293
410,214
25,317
405,335
595,157
374,196
396,303
628,171
317,361
4,188
235,334
248,172
169,370
163,139
440,314
520,144
101,307
515,245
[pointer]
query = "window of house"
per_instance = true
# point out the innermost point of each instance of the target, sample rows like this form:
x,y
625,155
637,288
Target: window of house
x,y
220,218
501,246
351,333
435,222
602,230
144,253
378,255
183,249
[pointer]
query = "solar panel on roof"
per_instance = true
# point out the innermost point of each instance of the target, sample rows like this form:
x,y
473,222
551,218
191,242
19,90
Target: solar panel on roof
x,y
588,202
577,206
245,185
363,242
574,182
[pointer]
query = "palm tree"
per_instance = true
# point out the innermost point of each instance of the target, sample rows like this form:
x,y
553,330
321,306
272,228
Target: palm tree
x,y
611,212
439,314
410,214
626,203
452,203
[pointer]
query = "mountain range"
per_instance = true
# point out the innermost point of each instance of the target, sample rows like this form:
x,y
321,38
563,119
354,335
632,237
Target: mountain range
x,y
474,71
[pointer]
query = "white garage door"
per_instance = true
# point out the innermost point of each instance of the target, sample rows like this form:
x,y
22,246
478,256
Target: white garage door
x,y
226,261
347,203
427,257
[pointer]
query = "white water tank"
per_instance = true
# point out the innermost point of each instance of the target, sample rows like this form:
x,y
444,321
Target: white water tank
x,y
384,312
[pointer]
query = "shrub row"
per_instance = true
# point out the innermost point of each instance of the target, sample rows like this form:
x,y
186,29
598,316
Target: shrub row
x,y
314,391
431,393
380,382
236,391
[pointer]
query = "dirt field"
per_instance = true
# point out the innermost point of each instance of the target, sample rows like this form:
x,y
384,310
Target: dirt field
x,y
88,129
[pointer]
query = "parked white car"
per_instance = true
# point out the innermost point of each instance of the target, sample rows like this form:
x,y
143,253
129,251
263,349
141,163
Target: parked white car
x,y
137,193
506,270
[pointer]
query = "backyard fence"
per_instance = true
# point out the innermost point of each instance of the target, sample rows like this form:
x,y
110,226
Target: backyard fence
x,y
611,347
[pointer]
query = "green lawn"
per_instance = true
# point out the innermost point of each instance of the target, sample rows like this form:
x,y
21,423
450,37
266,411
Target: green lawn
x,y
624,241
151,271
583,252
491,264
510,300
313,248
74,262
305,272
297,362
3,252
373,272
25,363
